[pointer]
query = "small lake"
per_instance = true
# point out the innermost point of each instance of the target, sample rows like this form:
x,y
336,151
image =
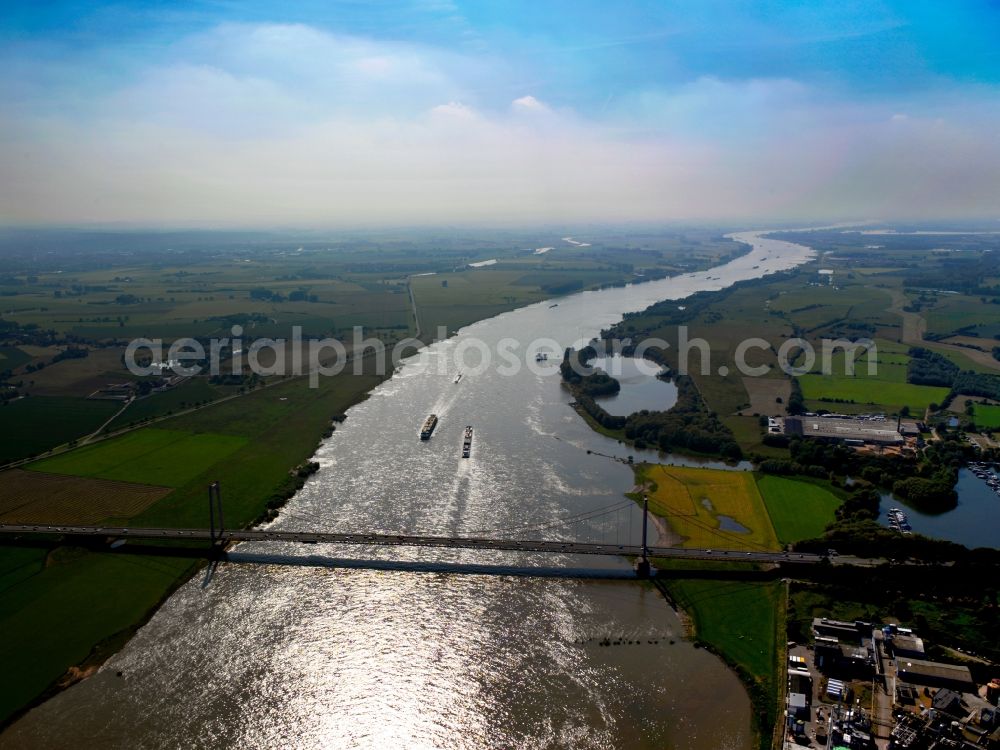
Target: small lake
x,y
726,523
641,389
974,522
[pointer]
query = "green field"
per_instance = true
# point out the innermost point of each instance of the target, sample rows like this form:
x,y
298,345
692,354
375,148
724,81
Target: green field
x,y
184,396
886,392
168,458
56,607
12,357
798,509
955,312
986,416
53,616
739,618
31,426
741,622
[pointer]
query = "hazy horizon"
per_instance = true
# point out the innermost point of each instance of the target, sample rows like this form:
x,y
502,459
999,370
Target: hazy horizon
x,y
438,113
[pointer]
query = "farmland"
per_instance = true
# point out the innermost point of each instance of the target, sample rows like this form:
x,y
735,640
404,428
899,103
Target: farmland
x,y
886,387
987,416
168,458
66,597
774,509
798,509
31,426
827,391
36,497
701,504
186,395
94,291
63,607
739,618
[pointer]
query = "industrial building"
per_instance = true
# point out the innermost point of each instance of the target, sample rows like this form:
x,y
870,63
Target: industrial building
x,y
852,632
907,646
849,430
934,674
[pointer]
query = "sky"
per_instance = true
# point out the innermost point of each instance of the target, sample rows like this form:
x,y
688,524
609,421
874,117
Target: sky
x,y
447,112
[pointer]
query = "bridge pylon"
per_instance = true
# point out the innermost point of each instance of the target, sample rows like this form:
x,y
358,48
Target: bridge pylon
x,y
215,508
642,567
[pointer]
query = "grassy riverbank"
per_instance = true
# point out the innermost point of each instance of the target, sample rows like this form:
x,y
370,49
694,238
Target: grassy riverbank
x,y
71,607
742,623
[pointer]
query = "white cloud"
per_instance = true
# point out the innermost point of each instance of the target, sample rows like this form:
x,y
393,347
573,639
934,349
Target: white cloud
x,y
288,124
528,104
454,110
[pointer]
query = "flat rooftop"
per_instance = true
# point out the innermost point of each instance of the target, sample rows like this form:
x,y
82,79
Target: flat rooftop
x,y
920,668
908,643
838,428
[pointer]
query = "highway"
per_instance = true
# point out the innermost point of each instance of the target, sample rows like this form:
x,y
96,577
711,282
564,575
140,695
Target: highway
x,y
406,540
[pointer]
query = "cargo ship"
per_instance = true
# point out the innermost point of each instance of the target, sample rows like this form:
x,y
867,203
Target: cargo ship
x,y
467,442
429,424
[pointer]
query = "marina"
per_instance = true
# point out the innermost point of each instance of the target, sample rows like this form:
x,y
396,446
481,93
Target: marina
x,y
988,474
898,521
971,522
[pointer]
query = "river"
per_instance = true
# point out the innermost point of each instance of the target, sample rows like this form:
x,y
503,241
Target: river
x,y
264,655
972,522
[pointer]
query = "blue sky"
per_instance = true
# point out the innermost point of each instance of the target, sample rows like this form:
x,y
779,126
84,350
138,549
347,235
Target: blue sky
x,y
436,111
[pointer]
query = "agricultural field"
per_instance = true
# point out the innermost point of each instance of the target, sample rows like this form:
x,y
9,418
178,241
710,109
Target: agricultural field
x,y
63,607
880,392
986,416
818,306
453,300
187,394
161,457
78,377
954,314
887,389
768,396
798,509
12,357
36,497
30,426
709,507
57,609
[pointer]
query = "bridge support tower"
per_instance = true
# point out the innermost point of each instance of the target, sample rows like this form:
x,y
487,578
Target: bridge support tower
x,y
215,509
642,567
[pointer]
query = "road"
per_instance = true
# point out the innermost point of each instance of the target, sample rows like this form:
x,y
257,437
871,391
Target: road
x,y
883,693
408,540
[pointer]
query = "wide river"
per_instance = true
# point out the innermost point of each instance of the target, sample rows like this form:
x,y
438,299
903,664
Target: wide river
x,y
265,655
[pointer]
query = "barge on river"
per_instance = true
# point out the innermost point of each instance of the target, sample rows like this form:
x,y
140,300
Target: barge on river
x,y
467,442
429,424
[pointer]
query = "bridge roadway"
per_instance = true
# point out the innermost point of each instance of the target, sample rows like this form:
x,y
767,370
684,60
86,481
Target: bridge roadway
x,y
406,540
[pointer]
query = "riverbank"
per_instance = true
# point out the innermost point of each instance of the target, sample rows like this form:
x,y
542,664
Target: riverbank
x,y
360,472
65,611
282,424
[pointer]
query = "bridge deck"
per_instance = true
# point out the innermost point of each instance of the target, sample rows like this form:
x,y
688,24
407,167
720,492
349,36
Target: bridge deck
x,y
406,540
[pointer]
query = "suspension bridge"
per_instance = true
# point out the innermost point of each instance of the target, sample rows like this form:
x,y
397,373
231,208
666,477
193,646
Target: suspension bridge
x,y
513,539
